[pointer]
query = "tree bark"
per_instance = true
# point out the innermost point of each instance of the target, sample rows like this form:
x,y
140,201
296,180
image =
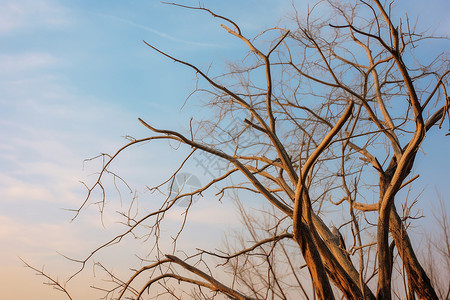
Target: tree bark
x,y
414,271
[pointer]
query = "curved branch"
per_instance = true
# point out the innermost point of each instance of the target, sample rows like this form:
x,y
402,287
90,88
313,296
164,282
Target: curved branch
x,y
216,284
275,239
260,187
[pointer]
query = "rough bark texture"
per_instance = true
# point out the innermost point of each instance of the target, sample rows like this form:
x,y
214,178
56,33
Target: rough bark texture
x,y
417,277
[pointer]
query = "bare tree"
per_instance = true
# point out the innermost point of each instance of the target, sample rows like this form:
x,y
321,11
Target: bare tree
x,y
328,113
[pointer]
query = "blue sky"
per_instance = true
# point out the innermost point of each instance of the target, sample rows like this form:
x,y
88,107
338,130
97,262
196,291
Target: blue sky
x,y
74,78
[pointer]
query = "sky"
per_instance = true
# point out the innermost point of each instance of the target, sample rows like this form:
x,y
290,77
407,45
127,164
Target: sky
x,y
74,78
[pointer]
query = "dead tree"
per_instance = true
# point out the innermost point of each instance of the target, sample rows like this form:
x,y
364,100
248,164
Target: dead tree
x,y
333,111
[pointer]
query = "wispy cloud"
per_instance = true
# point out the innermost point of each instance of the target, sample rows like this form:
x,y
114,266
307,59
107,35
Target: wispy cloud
x,y
22,13
22,63
160,33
